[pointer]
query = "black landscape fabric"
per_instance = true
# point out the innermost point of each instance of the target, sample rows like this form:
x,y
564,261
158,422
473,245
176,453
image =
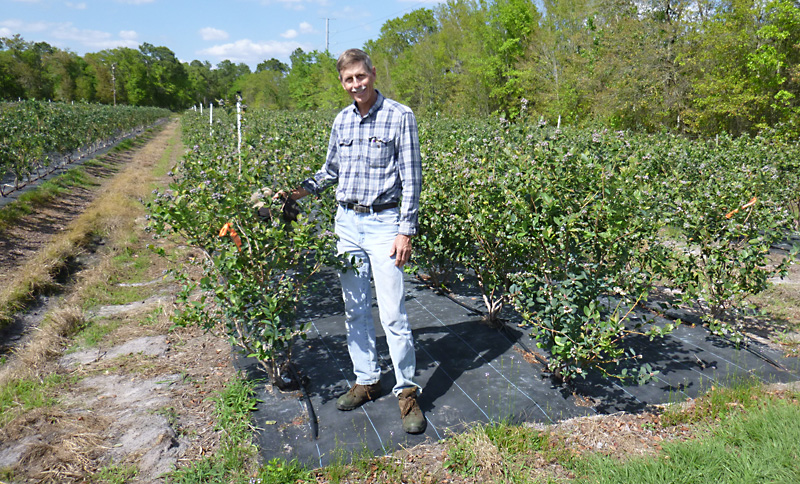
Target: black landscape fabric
x,y
473,373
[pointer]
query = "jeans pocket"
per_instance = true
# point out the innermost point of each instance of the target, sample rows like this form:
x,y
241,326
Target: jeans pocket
x,y
390,216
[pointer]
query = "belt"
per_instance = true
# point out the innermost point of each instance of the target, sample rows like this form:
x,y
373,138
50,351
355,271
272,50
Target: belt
x,y
358,208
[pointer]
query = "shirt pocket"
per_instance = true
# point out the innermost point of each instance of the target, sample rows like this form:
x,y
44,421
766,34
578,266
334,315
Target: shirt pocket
x,y
348,149
380,151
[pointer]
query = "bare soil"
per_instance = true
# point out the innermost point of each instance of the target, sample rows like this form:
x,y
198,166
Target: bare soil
x,y
141,397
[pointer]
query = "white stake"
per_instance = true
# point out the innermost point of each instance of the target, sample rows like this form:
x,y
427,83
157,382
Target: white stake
x,y
239,130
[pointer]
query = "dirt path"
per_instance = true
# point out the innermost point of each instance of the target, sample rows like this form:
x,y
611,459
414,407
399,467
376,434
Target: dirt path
x,y
35,230
129,396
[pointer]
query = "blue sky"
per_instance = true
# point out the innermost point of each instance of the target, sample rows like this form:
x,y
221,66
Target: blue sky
x,y
246,31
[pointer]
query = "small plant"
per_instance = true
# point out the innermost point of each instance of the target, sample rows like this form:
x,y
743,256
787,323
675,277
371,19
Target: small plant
x,y
24,395
234,461
279,471
115,474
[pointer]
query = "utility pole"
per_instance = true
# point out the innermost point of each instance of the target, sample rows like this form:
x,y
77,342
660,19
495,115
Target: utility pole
x,y
114,81
327,37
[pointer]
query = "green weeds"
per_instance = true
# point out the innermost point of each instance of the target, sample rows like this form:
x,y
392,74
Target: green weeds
x,y
716,404
499,450
758,446
28,202
19,396
115,474
234,460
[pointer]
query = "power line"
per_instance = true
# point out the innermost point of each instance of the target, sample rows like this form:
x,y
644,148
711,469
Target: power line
x,y
392,15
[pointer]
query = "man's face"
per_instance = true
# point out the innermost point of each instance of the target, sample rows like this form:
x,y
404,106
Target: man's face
x,y
359,82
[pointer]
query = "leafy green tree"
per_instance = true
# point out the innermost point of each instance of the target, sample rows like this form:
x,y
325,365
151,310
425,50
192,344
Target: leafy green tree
x,y
167,77
273,65
225,75
10,87
775,63
513,25
392,52
27,67
313,82
264,89
201,82
724,96
453,61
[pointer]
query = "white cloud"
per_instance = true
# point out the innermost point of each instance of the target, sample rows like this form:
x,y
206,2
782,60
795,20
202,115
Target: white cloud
x,y
135,2
306,28
20,26
6,32
210,33
246,50
66,35
76,6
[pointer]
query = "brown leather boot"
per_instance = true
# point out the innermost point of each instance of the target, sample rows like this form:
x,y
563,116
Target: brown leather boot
x,y
413,420
358,395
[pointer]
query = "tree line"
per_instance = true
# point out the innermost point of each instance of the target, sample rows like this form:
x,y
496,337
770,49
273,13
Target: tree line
x,y
693,66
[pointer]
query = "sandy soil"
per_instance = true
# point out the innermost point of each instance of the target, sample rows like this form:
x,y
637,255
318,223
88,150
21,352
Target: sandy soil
x,y
141,397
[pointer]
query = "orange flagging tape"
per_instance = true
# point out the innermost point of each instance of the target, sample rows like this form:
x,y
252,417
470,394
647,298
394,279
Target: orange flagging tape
x,y
746,205
228,229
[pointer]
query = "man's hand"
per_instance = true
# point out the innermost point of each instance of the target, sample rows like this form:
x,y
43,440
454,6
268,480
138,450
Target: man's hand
x,y
295,194
401,250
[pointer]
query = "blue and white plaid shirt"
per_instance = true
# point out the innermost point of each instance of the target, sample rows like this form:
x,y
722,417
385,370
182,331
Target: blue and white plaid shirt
x,y
375,160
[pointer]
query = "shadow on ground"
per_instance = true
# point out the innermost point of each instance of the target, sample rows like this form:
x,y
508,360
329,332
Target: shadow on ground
x,y
472,373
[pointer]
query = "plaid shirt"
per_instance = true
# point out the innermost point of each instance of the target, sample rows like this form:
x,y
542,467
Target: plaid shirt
x,y
375,160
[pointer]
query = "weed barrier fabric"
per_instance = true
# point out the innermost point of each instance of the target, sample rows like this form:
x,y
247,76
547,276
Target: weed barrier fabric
x,y
472,373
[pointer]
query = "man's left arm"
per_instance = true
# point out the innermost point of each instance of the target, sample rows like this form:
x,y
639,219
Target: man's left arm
x,y
409,165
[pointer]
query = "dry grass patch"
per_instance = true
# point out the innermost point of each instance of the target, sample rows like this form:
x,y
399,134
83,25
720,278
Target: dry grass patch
x,y
56,446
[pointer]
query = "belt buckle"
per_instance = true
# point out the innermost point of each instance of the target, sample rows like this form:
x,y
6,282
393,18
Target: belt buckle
x,y
361,208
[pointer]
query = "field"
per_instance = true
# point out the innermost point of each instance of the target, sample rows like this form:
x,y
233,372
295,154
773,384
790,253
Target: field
x,y
551,224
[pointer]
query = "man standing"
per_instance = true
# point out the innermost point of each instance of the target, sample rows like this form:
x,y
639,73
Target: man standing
x,y
374,158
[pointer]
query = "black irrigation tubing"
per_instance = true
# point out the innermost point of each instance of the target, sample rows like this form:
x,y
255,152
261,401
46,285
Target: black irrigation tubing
x,y
312,415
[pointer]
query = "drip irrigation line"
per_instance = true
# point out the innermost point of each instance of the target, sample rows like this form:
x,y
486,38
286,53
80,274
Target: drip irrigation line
x,y
312,415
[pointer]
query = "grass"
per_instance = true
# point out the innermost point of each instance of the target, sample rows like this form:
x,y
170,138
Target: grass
x,y
115,474
93,333
760,445
235,458
717,403
20,396
499,452
45,193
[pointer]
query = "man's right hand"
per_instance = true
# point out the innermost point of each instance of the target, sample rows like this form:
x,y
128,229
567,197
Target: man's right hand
x,y
295,194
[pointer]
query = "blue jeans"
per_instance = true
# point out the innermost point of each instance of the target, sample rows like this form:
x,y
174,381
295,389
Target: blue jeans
x,y
368,237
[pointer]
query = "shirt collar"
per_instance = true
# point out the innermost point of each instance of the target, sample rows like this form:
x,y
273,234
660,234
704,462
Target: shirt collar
x,y
375,106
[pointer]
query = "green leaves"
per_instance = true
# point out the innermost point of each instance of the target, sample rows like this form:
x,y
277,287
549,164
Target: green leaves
x,y
256,271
